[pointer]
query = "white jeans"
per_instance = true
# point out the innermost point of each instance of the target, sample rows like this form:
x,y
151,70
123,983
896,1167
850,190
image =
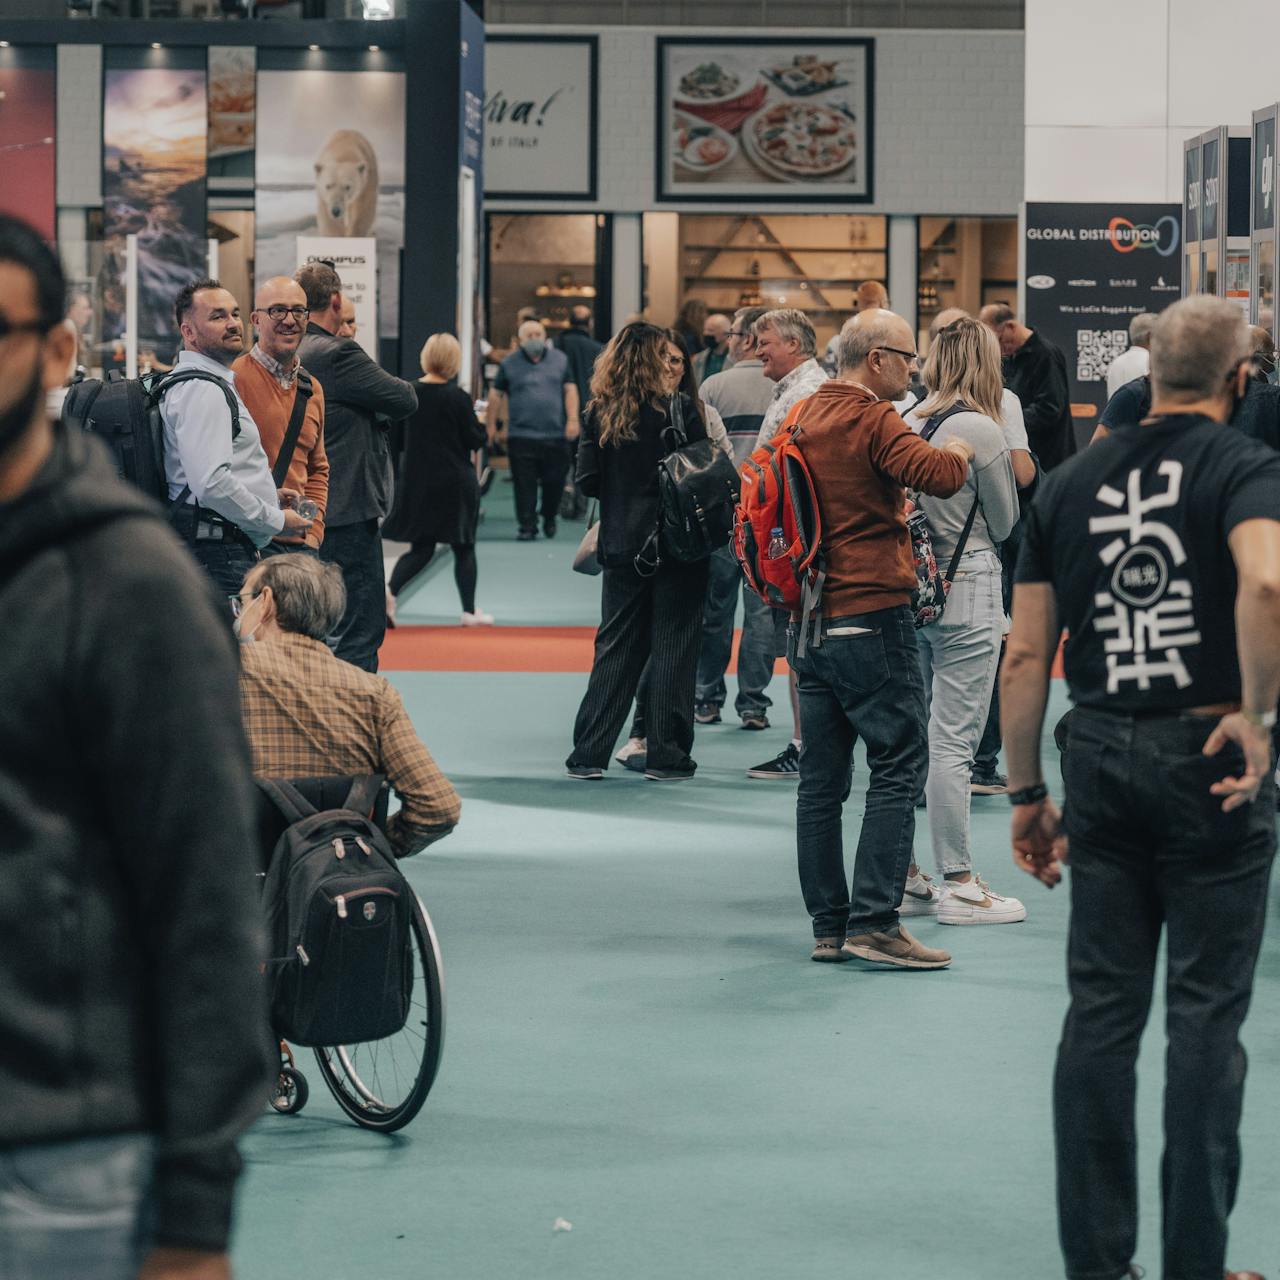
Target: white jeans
x,y
958,658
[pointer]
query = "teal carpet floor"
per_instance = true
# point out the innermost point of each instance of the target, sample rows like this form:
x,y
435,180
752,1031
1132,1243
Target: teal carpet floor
x,y
638,1044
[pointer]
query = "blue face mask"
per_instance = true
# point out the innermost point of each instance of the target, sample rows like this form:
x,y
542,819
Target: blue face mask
x,y
534,348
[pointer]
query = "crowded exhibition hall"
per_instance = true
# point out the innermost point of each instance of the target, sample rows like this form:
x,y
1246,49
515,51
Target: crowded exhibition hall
x,y
724,554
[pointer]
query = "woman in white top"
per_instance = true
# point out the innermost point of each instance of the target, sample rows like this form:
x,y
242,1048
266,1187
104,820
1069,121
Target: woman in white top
x,y
959,652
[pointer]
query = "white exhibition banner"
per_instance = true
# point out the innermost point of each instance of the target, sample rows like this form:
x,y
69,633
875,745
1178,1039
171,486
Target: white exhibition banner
x,y
539,116
355,259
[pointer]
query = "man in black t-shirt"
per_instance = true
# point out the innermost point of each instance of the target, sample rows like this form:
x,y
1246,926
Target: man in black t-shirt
x,y
1150,549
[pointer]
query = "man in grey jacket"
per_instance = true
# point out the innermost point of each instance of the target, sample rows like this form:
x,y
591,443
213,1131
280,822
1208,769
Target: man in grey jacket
x,y
360,400
131,1010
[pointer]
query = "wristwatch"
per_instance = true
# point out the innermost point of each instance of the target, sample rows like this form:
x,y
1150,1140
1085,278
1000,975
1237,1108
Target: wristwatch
x,y
1029,795
1263,719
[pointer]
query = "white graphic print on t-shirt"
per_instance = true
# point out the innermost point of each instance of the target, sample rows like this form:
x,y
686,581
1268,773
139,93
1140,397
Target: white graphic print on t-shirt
x,y
1152,613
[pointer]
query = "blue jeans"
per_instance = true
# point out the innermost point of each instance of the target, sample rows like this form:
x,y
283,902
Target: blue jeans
x,y
717,627
863,681
274,548
1152,852
78,1210
227,563
357,550
764,640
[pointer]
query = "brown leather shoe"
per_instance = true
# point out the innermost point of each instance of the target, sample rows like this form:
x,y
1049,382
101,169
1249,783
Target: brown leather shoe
x,y
828,951
1245,1275
893,951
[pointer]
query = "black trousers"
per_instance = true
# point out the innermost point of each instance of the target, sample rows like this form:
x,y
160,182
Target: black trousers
x,y
537,465
655,620
357,550
1152,852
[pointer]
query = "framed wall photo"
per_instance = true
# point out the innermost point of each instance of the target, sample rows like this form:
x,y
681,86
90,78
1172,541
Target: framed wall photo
x,y
755,117
540,117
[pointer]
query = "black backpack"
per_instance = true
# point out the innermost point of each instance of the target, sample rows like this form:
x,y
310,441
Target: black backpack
x,y
124,413
697,499
339,921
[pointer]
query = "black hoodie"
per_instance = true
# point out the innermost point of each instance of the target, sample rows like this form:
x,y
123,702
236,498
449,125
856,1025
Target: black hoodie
x,y
129,922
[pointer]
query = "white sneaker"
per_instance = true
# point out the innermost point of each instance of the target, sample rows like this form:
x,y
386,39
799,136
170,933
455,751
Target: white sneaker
x,y
632,747
976,902
920,897
477,619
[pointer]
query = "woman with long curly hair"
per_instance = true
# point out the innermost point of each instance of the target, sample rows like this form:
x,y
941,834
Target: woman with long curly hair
x,y
653,618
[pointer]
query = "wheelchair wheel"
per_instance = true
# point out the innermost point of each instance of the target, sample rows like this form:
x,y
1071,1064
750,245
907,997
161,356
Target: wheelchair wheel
x,y
291,1092
382,1084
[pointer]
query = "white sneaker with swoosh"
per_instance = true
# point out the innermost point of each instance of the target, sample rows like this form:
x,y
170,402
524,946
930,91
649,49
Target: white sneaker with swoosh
x,y
920,897
975,902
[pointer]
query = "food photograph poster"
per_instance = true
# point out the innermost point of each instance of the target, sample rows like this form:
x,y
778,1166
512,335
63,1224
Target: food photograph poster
x,y
780,120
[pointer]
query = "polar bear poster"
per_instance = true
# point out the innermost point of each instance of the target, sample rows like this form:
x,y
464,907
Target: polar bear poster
x,y
346,185
336,172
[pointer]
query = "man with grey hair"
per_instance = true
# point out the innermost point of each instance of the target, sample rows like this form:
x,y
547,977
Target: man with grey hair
x,y
859,673
787,348
533,408
309,714
1135,362
1158,551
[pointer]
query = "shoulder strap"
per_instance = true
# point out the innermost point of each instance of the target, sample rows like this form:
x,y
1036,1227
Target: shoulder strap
x,y
676,414
930,428
167,381
964,537
301,397
287,798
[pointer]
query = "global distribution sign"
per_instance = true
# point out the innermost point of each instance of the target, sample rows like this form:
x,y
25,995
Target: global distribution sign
x,y
1090,269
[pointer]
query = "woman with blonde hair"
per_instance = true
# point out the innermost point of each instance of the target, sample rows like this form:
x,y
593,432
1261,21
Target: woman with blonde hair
x,y
959,651
437,492
647,618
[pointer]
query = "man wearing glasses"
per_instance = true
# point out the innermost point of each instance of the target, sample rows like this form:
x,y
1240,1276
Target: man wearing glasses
x,y
225,502
288,406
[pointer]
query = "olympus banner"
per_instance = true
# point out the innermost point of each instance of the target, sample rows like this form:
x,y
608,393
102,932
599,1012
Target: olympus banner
x,y
1090,269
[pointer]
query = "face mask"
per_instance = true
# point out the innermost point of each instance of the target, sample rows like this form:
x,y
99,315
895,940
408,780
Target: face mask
x,y
534,348
240,633
710,342
17,418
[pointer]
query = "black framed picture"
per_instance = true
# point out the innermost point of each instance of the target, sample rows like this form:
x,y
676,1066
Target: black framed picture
x,y
757,117
540,117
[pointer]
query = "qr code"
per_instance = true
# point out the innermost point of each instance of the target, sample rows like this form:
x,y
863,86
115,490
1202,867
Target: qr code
x,y
1096,349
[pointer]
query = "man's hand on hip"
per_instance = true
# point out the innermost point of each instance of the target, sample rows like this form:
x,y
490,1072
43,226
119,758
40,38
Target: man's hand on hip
x,y
1255,742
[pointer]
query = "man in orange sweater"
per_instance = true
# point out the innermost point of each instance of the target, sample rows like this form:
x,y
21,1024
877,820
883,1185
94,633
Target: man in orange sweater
x,y
268,382
860,676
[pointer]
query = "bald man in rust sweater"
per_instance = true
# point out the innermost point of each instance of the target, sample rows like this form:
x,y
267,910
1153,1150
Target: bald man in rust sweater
x,y
859,676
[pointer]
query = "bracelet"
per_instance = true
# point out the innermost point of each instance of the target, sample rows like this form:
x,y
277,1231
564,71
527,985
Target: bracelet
x,y
1029,795
1263,719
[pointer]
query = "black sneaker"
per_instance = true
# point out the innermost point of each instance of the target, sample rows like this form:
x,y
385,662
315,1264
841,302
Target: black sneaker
x,y
706,713
988,783
585,772
755,720
676,773
526,535
549,528
785,765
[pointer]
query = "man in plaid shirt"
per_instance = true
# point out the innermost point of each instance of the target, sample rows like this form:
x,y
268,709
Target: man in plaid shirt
x,y
308,713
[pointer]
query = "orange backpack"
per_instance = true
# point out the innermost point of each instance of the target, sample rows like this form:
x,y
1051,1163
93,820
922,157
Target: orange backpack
x,y
777,494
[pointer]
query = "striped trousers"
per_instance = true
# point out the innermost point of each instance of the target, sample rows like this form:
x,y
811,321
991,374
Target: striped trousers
x,y
656,620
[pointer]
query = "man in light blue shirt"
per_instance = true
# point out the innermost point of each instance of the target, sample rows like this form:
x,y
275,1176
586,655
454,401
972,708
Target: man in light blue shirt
x,y
226,503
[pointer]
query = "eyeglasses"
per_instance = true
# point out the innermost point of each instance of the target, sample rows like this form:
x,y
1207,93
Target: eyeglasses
x,y
676,362
738,333
239,604
9,327
278,312
909,356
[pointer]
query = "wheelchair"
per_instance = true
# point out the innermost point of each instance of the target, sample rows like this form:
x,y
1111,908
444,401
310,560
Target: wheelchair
x,y
379,1084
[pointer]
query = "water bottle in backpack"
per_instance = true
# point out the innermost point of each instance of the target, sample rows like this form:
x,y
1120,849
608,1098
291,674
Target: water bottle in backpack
x,y
777,549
